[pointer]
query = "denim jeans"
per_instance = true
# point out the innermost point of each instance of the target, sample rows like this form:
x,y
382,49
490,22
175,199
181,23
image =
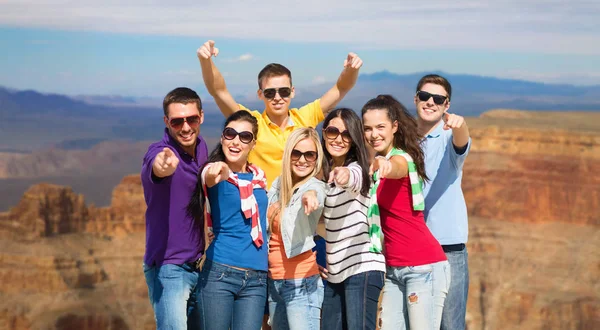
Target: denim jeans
x,y
172,293
230,298
413,296
352,304
295,304
455,307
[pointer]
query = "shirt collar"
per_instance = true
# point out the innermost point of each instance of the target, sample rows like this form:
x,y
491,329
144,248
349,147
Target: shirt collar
x,y
268,120
168,139
437,131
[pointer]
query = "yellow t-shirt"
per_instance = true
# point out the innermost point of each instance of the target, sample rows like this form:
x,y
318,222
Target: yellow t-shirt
x,y
270,142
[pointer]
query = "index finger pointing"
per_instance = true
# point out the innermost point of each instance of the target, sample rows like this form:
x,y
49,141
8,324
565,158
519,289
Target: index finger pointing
x,y
445,117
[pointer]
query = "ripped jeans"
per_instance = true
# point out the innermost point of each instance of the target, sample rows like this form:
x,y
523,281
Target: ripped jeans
x,y
413,296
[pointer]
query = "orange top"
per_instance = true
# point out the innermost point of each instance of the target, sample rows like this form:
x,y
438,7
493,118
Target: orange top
x,y
280,267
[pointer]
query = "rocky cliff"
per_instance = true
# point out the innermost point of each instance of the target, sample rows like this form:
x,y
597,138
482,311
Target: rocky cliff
x,y
532,186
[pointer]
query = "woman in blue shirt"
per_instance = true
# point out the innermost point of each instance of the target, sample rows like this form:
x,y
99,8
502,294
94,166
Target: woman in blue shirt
x,y
232,288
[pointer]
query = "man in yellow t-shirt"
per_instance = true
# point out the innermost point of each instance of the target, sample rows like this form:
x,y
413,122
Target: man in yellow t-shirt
x,y
275,89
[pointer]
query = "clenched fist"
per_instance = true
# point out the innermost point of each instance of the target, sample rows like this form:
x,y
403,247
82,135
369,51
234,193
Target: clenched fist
x,y
207,50
353,62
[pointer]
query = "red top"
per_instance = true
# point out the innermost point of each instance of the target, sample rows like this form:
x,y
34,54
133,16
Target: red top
x,y
406,238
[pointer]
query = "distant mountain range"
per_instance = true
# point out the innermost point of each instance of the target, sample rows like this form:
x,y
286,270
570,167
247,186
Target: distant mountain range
x,y
30,120
473,95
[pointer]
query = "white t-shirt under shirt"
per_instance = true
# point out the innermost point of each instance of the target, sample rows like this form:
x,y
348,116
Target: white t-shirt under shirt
x,y
347,236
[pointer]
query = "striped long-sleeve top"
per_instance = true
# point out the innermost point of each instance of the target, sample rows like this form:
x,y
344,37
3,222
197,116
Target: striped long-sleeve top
x,y
347,237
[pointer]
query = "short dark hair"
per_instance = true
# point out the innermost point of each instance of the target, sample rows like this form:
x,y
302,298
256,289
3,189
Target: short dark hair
x,y
437,80
181,95
273,70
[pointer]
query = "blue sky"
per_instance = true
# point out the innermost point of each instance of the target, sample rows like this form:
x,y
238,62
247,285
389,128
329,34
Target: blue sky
x,y
145,48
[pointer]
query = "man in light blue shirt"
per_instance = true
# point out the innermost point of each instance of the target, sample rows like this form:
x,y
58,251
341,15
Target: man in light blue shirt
x,y
446,145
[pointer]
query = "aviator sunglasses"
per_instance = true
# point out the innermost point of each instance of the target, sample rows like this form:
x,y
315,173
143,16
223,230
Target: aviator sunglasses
x,y
245,136
333,132
271,92
310,156
193,121
437,99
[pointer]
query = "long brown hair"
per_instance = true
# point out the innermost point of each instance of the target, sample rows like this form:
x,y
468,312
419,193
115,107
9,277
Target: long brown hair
x,y
358,150
407,136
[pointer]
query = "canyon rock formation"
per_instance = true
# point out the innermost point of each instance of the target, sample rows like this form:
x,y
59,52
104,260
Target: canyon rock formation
x,y
532,184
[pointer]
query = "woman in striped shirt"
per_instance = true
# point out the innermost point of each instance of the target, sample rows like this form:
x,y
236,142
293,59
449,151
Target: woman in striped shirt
x,y
355,274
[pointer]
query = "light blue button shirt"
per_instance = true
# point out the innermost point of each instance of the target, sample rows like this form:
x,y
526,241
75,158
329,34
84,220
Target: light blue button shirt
x,y
445,207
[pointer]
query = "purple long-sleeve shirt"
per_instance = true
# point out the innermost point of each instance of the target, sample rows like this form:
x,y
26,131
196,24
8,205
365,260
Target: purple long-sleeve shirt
x,y
172,236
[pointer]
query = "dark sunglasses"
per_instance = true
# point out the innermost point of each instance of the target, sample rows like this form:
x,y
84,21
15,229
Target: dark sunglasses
x,y
271,92
245,136
310,156
437,99
177,123
333,132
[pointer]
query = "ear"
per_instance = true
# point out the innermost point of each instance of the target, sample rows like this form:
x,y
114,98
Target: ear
x,y
166,120
259,94
201,117
416,100
293,93
395,126
447,106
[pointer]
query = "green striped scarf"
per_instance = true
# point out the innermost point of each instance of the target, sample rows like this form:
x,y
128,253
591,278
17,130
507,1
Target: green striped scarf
x,y
416,185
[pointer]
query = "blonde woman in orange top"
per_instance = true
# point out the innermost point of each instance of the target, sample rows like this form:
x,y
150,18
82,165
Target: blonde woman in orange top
x,y
296,200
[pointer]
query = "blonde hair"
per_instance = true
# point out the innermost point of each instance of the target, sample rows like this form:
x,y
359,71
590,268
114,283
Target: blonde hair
x,y
286,184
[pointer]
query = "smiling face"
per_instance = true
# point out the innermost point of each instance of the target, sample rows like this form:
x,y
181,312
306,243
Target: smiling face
x,y
185,135
379,130
340,145
236,151
277,106
428,111
302,167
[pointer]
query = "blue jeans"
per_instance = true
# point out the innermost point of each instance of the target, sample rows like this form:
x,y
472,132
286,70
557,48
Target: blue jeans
x,y
295,304
352,304
230,298
172,293
455,307
413,296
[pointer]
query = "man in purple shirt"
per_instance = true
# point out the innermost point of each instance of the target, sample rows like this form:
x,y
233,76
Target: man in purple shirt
x,y
174,239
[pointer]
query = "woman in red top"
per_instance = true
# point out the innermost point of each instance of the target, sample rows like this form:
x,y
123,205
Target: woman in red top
x,y
418,274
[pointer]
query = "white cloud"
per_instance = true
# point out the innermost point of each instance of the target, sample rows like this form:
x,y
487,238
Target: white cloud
x,y
319,80
548,26
245,57
241,58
